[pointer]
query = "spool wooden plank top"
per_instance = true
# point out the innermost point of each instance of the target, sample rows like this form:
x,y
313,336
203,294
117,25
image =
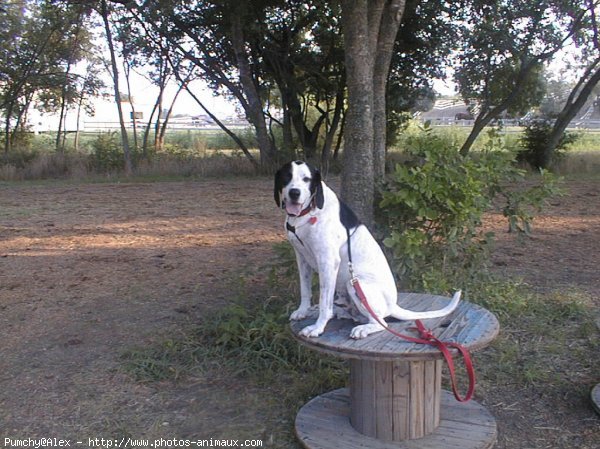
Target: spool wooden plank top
x,y
469,325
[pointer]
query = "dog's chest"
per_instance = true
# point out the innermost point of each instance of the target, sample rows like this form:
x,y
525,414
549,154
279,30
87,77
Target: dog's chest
x,y
315,240
302,239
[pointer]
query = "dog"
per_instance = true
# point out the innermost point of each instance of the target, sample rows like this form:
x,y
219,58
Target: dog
x,y
318,225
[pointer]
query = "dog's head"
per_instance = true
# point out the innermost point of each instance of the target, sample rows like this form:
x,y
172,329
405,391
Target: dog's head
x,y
298,186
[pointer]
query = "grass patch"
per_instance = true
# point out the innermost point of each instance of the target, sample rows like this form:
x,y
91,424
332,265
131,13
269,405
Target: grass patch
x,y
548,342
250,338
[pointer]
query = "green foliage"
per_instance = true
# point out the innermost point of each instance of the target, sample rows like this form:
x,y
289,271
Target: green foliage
x,y
107,152
535,141
432,208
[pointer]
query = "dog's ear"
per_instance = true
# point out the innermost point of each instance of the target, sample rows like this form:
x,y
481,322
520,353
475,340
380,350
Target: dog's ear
x,y
318,185
282,178
278,187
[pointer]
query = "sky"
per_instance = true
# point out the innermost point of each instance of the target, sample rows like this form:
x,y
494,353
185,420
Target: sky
x,y
144,92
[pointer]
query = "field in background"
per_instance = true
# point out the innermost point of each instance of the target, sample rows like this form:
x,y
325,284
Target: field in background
x,y
205,153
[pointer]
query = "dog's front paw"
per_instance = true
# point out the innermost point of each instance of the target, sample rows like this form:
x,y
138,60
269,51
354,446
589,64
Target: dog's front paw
x,y
299,314
364,330
312,331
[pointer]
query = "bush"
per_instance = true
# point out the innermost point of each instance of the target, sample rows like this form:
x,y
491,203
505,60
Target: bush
x,y
535,140
107,153
432,208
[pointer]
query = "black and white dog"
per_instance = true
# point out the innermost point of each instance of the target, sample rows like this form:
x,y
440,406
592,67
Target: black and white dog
x,y
316,225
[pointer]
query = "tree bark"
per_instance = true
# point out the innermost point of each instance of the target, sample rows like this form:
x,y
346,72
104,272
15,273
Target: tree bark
x,y
357,170
370,29
390,23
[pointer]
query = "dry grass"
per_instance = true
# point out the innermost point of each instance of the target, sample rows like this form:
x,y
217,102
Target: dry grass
x,y
79,166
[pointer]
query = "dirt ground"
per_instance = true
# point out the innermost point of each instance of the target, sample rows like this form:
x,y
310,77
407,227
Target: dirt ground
x,y
89,271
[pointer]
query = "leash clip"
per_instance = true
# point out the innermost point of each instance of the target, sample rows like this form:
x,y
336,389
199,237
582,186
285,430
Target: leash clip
x,y
353,278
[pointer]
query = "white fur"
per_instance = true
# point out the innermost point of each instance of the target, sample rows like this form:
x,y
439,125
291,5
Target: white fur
x,y
320,245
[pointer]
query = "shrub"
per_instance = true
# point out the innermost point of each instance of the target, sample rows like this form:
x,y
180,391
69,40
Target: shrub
x,y
432,208
535,140
107,153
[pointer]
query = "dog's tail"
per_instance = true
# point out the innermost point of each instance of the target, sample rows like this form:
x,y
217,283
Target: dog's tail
x,y
403,314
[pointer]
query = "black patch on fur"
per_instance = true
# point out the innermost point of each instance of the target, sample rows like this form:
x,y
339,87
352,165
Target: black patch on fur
x,y
282,178
348,217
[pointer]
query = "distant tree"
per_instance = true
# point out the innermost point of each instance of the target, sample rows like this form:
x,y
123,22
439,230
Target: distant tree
x,y
427,36
32,68
505,47
588,42
76,40
260,51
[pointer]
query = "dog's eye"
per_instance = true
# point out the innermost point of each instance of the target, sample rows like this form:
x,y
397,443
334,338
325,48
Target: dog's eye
x,y
306,179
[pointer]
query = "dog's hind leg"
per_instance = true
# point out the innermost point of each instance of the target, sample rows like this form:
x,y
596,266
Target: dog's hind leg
x,y
377,304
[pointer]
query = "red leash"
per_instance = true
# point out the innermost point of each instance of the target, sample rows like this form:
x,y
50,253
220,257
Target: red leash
x,y
427,338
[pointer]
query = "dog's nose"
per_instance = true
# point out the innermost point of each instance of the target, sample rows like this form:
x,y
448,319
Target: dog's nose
x,y
294,194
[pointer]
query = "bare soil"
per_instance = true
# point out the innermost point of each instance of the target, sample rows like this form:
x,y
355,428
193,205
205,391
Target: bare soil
x,y
89,271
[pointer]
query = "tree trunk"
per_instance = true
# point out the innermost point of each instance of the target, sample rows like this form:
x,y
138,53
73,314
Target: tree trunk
x,y
163,129
230,133
481,121
370,29
575,102
390,22
332,129
288,137
79,106
159,102
127,70
7,133
115,74
63,105
145,154
357,170
254,111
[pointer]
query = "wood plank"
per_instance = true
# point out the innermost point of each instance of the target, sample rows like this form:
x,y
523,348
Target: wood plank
x,y
356,403
417,400
401,400
439,364
383,411
429,400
